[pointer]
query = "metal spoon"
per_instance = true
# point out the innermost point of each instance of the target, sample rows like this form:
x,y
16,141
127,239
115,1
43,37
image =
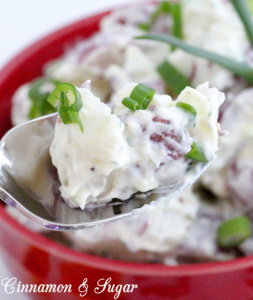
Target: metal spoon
x,y
26,183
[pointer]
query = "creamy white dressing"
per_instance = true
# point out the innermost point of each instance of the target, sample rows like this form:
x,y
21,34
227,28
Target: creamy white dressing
x,y
85,159
124,152
237,120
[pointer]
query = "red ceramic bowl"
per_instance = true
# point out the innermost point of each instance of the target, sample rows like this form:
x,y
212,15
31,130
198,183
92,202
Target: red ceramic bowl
x,y
36,259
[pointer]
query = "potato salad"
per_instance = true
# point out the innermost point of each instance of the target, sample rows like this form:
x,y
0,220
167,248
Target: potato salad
x,y
120,152
148,91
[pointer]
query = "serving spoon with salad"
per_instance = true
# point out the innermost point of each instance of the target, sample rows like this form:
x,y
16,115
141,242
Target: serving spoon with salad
x,y
24,169
27,180
24,174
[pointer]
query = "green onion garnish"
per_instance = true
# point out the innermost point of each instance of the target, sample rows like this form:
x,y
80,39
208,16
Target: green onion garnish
x,y
70,103
40,106
144,26
233,232
196,153
243,11
175,80
177,28
166,70
250,4
240,69
164,7
130,103
187,107
139,98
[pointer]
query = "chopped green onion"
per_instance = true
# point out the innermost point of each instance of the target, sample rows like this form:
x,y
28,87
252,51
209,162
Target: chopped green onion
x,y
40,106
144,26
130,103
177,28
164,7
250,4
175,80
66,88
167,8
143,95
139,98
70,103
196,153
233,232
243,11
187,107
166,70
237,68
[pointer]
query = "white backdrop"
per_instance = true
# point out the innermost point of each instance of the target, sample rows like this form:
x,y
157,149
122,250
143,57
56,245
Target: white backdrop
x,y
25,21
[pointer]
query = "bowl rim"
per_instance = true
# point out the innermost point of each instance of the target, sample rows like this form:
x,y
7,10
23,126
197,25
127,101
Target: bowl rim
x,y
85,259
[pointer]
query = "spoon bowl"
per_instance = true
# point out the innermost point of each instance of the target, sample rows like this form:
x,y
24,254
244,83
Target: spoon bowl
x,y
28,182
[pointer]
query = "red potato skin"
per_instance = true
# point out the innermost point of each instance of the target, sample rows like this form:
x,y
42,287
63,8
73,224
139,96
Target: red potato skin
x,y
165,137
